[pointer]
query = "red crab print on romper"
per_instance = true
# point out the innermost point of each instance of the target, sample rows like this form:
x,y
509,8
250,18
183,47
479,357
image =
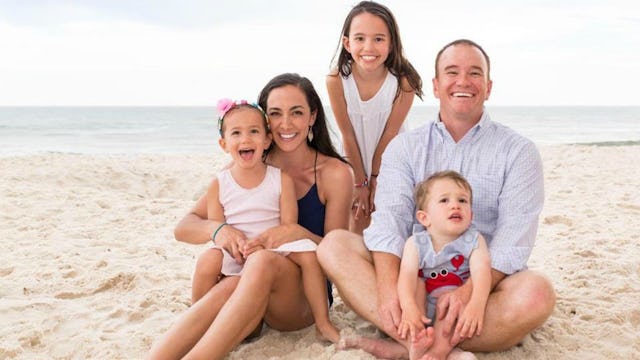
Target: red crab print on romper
x,y
443,277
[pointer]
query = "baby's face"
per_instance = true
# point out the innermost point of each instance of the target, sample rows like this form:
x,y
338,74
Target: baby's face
x,y
447,208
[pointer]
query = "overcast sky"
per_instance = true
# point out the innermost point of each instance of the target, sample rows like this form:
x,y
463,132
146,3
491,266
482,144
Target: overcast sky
x,y
172,52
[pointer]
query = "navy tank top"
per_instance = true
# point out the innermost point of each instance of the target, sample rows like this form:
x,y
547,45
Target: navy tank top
x,y
311,213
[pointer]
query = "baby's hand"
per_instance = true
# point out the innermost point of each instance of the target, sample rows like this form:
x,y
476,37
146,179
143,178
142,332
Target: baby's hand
x,y
470,322
412,324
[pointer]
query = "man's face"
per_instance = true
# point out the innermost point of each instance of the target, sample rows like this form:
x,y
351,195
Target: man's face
x,y
462,83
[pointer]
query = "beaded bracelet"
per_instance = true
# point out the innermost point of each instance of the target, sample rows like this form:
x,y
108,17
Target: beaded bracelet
x,y
213,237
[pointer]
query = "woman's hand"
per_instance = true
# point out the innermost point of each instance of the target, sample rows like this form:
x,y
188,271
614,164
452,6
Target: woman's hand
x,y
232,240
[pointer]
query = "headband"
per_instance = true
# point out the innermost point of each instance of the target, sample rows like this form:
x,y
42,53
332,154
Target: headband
x,y
226,105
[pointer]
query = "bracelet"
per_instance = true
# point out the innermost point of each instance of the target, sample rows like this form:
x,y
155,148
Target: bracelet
x,y
213,237
374,175
365,183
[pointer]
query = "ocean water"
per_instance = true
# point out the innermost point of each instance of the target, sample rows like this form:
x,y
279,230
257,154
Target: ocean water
x,y
179,130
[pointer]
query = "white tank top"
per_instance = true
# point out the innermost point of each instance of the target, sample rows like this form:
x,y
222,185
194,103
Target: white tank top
x,y
369,118
255,210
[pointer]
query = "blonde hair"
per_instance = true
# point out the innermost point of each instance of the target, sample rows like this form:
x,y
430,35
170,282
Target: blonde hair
x,y
422,189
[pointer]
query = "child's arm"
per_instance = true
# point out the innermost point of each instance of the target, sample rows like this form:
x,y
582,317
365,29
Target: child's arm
x,y
214,208
413,318
351,149
398,115
288,216
226,236
472,319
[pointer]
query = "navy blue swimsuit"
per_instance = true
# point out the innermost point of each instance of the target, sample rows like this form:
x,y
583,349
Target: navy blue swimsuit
x,y
311,213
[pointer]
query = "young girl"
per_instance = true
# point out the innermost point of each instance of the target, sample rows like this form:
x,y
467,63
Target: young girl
x,y
444,251
251,197
371,89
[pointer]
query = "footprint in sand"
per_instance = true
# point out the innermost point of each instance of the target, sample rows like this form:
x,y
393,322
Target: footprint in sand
x,y
558,219
6,271
121,281
629,206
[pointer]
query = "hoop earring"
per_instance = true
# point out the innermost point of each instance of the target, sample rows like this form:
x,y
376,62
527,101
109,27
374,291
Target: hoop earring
x,y
310,134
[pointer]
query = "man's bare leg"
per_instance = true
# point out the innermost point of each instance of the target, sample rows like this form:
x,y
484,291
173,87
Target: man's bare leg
x,y
349,266
519,304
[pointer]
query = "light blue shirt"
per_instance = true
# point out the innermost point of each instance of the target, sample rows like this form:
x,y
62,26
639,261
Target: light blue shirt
x,y
505,173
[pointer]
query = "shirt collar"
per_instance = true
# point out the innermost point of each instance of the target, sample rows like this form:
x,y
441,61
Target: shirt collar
x,y
484,122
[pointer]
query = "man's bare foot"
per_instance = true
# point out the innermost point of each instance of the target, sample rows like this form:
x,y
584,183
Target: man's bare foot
x,y
380,348
327,332
459,354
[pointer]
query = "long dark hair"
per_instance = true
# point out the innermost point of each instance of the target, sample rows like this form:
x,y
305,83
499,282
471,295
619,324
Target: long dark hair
x,y
321,138
396,62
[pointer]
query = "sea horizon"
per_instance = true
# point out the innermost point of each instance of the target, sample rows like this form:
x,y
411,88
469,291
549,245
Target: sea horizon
x,y
173,129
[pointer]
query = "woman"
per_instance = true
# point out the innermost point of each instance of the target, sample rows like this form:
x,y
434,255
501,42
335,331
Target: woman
x,y
270,287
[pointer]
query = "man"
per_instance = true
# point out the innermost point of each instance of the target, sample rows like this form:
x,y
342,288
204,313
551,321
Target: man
x,y
505,172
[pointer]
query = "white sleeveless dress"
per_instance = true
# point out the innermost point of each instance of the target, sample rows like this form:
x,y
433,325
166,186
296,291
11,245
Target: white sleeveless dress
x,y
369,118
253,211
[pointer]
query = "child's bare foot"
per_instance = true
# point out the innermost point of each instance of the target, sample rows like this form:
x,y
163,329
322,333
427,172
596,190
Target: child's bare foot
x,y
438,349
380,348
327,332
419,348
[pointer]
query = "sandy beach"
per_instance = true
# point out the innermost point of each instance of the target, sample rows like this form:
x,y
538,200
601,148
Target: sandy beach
x,y
89,268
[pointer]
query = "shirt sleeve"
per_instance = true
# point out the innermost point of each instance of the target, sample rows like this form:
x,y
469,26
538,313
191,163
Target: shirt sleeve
x,y
393,219
520,204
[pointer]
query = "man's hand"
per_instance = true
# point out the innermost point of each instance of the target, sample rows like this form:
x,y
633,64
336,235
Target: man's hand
x,y
449,309
389,309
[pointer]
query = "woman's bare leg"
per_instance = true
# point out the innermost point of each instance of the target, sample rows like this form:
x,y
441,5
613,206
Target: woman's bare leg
x,y
315,290
192,324
270,287
208,269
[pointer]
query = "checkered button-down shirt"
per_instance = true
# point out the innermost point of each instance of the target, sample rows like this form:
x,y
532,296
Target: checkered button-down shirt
x,y
505,173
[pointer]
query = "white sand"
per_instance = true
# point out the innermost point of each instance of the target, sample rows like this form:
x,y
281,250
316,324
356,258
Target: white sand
x,y
89,267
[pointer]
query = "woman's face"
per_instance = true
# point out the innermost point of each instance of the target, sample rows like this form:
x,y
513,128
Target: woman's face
x,y
289,117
